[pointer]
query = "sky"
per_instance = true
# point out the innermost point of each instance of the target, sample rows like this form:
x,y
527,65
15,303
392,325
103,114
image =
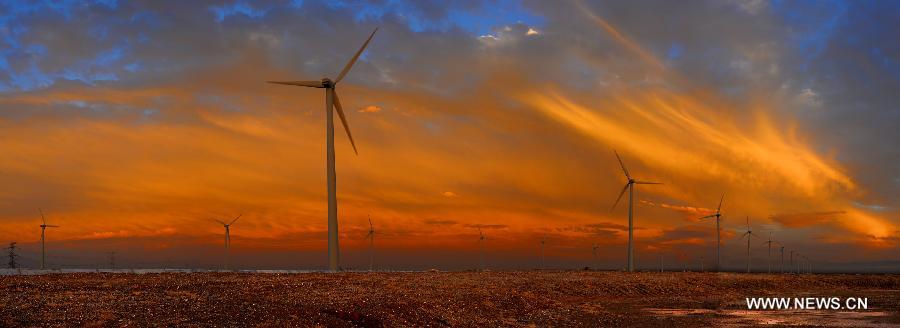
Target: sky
x,y
133,125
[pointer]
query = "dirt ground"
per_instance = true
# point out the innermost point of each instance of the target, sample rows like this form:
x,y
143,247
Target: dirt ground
x,y
437,299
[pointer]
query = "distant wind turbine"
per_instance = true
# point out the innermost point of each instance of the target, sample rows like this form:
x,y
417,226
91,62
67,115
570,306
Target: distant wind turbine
x,y
782,259
371,237
595,249
629,186
44,226
748,234
481,249
769,242
543,243
792,262
332,103
718,216
228,238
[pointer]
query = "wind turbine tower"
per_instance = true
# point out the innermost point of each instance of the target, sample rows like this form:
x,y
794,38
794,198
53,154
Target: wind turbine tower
x,y
718,216
481,249
543,244
44,226
332,104
769,259
791,264
629,186
782,259
112,259
748,234
228,238
371,237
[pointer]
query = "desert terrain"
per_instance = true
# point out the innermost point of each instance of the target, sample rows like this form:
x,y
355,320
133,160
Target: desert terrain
x,y
436,299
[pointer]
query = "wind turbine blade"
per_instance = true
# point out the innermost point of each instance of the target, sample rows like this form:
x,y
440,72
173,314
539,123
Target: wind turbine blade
x,y
370,223
220,221
340,111
311,84
647,182
43,221
720,203
51,226
623,165
355,57
620,197
235,219
707,217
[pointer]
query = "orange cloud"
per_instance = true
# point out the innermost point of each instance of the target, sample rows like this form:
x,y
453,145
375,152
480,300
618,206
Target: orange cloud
x,y
370,109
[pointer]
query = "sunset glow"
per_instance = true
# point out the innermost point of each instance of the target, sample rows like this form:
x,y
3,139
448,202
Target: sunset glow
x,y
133,131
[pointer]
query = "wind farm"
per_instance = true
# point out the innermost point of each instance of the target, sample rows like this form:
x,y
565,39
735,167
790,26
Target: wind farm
x,y
493,137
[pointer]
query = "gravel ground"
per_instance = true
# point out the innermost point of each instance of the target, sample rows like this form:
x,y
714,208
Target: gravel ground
x,y
429,299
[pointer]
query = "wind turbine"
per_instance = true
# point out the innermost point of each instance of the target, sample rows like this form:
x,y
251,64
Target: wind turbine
x,y
371,237
701,264
718,216
792,262
228,238
629,186
543,242
748,234
44,226
481,253
769,242
332,103
782,259
595,249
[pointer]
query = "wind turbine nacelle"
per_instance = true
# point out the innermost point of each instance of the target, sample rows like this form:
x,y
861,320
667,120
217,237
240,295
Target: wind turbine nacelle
x,y
327,83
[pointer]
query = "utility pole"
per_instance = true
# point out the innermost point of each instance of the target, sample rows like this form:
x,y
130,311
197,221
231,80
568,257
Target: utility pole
x,y
12,255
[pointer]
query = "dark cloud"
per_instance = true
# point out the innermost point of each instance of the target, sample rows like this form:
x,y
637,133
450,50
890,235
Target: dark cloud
x,y
806,219
439,222
487,226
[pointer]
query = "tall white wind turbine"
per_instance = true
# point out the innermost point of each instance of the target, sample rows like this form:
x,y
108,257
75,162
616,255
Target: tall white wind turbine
x,y
629,186
332,104
44,226
371,237
228,238
718,217
748,234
